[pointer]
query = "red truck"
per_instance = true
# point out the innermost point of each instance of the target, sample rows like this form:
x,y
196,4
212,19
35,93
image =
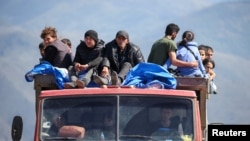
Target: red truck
x,y
118,113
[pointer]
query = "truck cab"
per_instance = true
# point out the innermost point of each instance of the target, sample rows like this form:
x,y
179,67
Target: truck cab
x,y
118,113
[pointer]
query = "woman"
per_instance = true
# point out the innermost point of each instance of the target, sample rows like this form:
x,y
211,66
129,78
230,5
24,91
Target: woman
x,y
188,51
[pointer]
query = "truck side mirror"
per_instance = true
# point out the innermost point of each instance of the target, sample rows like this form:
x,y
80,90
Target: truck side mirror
x,y
17,128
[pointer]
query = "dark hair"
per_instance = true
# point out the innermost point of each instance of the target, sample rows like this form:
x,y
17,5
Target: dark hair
x,y
209,48
202,47
66,41
208,60
41,45
107,115
171,28
187,36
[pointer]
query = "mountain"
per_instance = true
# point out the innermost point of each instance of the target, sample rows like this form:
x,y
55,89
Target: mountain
x,y
225,27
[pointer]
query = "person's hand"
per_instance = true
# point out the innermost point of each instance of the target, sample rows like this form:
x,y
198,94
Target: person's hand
x,y
194,64
83,67
79,67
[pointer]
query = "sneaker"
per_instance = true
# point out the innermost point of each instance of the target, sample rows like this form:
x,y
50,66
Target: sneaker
x,y
69,85
115,79
80,84
100,80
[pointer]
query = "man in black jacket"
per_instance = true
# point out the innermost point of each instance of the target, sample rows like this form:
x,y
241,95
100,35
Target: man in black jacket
x,y
120,55
87,59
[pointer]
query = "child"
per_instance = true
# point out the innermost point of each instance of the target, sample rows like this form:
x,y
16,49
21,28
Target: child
x,y
209,65
202,49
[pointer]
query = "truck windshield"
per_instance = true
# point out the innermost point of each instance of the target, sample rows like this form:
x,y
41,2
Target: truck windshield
x,y
117,118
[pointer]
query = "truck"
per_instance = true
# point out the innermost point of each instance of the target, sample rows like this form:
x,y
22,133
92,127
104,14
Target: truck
x,y
118,113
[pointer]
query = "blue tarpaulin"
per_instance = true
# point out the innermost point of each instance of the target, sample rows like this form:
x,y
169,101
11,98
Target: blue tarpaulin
x,y
146,75
60,74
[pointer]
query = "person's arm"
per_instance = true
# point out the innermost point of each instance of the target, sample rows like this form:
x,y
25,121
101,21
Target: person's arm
x,y
138,57
72,131
211,74
179,63
95,62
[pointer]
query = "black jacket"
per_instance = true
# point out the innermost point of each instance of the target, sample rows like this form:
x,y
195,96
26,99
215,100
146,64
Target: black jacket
x,y
90,56
132,54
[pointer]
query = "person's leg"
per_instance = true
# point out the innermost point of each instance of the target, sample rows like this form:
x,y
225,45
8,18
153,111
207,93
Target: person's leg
x,y
101,80
73,78
117,79
84,79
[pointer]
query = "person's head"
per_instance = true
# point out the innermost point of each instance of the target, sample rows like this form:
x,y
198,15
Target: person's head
x,y
91,38
41,48
48,35
122,39
209,52
166,114
67,42
187,36
209,64
58,120
172,30
202,50
108,121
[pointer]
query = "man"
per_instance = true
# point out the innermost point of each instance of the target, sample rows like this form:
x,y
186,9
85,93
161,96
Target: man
x,y
68,43
120,55
87,59
55,52
165,48
108,126
209,52
166,121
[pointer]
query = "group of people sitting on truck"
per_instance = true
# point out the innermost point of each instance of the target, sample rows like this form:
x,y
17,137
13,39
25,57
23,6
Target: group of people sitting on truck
x,y
109,63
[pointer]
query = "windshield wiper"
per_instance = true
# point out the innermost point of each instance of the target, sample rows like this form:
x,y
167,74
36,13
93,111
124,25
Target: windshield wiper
x,y
136,138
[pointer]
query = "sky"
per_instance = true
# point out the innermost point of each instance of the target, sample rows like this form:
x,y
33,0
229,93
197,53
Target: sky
x,y
72,19
21,22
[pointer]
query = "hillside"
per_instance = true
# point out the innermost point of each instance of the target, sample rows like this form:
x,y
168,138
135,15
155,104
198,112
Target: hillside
x,y
225,27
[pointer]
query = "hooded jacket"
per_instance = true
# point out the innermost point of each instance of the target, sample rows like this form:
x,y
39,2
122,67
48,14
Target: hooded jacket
x,y
90,56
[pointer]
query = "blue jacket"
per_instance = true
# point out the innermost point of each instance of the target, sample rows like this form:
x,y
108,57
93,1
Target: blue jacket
x,y
146,75
185,55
